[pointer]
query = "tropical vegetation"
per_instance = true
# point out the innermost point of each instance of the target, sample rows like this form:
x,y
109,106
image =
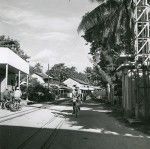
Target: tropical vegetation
x,y
39,93
61,72
14,45
109,29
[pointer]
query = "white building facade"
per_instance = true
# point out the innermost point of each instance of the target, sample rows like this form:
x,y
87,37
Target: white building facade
x,y
83,86
38,78
11,65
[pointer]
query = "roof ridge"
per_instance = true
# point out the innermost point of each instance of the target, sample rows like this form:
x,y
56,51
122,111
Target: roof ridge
x,y
79,80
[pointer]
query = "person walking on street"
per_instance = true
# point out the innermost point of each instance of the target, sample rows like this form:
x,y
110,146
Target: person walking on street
x,y
76,99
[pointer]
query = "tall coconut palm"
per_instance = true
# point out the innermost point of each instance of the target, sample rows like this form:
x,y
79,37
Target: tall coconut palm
x,y
110,28
114,17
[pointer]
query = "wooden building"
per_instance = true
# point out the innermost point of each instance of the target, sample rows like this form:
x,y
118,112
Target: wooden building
x,y
11,67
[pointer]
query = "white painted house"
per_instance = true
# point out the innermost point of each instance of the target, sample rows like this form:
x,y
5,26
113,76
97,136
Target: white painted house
x,y
42,78
38,78
83,86
10,66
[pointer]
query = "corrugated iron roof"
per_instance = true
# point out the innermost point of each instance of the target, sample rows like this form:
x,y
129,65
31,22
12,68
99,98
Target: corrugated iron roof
x,y
43,75
80,81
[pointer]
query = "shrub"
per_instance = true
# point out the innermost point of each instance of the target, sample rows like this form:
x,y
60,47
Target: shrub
x,y
99,95
40,93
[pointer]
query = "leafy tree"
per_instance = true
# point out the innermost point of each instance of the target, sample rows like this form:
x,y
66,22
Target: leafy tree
x,y
109,29
109,25
37,68
61,72
109,21
13,45
93,76
58,72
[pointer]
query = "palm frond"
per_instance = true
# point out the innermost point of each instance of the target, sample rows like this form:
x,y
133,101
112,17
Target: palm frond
x,y
98,15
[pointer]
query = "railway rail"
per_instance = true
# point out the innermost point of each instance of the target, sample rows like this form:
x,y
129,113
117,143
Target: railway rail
x,y
22,113
1,117
48,143
51,137
53,125
12,116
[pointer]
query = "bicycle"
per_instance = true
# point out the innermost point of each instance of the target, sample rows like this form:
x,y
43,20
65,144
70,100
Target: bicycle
x,y
13,105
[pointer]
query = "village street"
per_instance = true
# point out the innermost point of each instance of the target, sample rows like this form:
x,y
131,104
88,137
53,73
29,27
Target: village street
x,y
55,54
54,126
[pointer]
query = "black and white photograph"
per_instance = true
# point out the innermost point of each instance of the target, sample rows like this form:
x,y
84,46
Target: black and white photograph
x,y
74,74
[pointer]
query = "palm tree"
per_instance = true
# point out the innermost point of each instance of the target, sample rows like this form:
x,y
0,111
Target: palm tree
x,y
110,29
111,19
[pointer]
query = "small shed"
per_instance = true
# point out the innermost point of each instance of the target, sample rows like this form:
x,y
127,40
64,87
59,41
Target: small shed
x,y
65,92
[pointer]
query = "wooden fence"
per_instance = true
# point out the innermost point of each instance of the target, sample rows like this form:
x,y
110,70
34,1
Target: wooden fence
x,y
136,93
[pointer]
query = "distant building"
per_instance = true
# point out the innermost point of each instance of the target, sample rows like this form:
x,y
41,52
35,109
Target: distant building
x,y
42,78
65,92
84,87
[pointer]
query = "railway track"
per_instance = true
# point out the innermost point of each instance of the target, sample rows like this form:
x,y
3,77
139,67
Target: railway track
x,y
17,115
18,112
22,113
50,136
50,139
48,143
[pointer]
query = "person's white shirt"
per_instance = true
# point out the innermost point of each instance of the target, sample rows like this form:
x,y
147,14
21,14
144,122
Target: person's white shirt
x,y
74,96
17,94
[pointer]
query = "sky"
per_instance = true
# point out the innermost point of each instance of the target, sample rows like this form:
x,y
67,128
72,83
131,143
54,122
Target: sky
x,y
47,30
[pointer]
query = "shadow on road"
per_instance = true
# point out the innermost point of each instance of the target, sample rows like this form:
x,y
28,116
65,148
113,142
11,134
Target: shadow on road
x,y
143,127
96,116
11,137
96,127
117,113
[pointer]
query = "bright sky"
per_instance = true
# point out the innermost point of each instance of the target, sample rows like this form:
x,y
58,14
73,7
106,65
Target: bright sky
x,y
47,29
